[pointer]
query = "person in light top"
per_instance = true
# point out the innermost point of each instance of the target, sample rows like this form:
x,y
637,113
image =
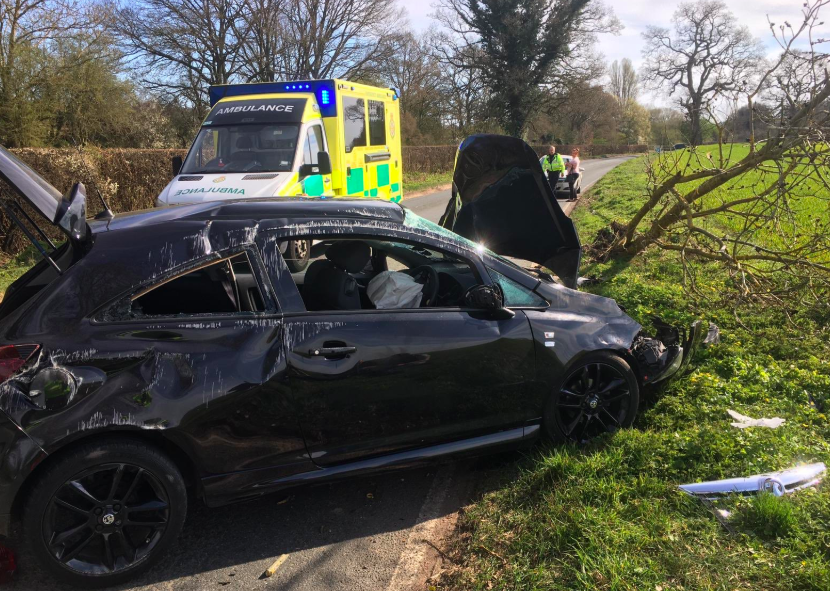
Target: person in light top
x,y
572,170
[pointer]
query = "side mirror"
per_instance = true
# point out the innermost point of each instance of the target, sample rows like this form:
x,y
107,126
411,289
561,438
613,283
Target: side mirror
x,y
323,166
177,165
487,299
324,163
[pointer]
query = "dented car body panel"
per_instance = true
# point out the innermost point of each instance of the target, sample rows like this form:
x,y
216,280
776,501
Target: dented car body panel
x,y
245,398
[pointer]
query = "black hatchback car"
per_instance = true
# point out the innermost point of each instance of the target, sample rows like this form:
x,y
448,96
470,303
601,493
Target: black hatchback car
x,y
173,349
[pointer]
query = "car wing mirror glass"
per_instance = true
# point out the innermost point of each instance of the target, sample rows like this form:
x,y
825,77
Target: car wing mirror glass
x,y
177,165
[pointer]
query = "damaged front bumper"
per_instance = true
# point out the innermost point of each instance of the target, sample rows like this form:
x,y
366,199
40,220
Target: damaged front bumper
x,y
669,352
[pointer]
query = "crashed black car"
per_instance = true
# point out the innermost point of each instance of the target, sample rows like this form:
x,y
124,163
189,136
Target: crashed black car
x,y
173,349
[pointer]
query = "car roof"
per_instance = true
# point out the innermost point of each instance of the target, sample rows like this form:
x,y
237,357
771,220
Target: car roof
x,y
259,209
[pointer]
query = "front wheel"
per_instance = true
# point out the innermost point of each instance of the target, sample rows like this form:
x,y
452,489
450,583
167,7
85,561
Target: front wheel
x,y
600,394
104,512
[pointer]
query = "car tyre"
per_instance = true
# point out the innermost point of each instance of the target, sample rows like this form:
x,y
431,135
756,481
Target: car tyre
x,y
598,394
297,255
115,506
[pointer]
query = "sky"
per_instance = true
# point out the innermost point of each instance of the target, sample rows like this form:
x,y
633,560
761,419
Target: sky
x,y
636,15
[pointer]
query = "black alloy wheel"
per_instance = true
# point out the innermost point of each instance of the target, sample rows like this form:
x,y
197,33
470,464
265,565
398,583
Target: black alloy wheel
x,y
599,395
297,255
100,524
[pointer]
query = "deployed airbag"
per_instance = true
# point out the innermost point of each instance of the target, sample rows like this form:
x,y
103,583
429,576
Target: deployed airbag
x,y
393,289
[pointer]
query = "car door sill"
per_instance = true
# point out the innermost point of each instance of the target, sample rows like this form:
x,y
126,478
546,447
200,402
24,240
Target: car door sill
x,y
248,484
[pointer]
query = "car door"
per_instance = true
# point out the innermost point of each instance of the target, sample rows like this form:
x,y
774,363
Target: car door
x,y
197,354
370,382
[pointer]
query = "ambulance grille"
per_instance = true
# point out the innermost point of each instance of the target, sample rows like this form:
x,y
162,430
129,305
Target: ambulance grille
x,y
259,177
191,178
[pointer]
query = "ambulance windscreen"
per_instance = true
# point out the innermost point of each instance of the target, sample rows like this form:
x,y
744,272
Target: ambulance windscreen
x,y
243,148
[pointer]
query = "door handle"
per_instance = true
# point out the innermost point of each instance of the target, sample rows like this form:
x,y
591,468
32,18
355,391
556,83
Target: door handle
x,y
332,352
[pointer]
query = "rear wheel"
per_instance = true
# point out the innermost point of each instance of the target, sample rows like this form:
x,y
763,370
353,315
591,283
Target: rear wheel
x,y
104,513
297,255
598,395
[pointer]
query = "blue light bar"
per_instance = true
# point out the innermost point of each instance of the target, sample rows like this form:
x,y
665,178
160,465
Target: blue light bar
x,y
324,91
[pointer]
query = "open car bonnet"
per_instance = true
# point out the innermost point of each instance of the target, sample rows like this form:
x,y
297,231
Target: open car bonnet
x,y
501,199
66,212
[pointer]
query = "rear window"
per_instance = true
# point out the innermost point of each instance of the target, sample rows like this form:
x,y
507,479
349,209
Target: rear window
x,y
354,115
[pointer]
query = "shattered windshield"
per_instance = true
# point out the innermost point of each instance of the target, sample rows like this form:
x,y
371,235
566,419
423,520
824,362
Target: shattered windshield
x,y
268,147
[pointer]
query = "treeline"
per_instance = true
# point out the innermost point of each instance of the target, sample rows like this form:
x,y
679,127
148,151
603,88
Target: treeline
x,y
135,73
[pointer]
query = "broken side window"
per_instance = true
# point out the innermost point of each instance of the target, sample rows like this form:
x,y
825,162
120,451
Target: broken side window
x,y
226,286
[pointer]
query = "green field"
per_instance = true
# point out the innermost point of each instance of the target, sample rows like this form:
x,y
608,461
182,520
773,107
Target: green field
x,y
803,205
609,515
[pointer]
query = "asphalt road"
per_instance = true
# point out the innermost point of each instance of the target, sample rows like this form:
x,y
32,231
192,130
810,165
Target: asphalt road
x,y
362,534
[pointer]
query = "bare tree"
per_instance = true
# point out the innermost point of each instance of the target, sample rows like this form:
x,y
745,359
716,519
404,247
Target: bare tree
x,y
624,81
760,213
181,47
415,73
265,39
708,57
336,38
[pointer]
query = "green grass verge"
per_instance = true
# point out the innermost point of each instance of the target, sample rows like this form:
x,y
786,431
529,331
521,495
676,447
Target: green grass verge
x,y
13,267
414,182
609,515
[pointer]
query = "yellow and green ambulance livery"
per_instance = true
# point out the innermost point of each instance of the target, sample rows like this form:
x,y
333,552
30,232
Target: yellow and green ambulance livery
x,y
321,138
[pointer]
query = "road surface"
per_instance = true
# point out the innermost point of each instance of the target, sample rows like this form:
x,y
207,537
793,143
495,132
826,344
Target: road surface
x,y
362,534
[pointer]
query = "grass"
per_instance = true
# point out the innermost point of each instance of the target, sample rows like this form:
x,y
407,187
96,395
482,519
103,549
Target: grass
x,y
807,199
608,515
12,267
414,182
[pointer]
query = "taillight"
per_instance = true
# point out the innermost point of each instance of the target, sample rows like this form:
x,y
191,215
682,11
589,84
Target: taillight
x,y
13,357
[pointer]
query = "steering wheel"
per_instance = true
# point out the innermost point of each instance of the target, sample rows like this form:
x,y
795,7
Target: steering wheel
x,y
428,277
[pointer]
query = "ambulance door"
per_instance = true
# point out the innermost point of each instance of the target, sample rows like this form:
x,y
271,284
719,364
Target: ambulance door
x,y
355,146
314,142
378,154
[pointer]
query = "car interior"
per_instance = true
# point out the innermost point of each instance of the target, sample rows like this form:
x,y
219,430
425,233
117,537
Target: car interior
x,y
220,287
340,272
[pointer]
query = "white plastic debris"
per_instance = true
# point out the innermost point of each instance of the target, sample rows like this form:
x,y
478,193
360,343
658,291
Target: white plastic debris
x,y
393,289
777,483
743,421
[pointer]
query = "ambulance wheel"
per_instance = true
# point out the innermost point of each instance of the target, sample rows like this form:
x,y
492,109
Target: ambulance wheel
x,y
297,255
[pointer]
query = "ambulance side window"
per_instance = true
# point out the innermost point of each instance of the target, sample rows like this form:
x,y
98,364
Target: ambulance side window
x,y
377,123
354,115
207,149
313,144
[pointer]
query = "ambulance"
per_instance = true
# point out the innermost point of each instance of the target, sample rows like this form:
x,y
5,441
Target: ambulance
x,y
315,138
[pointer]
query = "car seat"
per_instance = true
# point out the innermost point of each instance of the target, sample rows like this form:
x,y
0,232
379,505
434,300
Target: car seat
x,y
328,284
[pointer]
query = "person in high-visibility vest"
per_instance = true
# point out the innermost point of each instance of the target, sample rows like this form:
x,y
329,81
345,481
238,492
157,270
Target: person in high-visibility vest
x,y
554,166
